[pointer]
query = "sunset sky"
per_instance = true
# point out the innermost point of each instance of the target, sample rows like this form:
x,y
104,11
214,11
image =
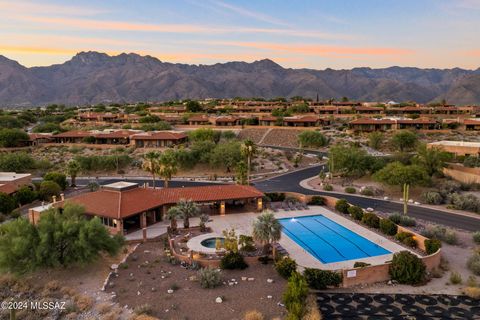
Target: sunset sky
x,y
299,34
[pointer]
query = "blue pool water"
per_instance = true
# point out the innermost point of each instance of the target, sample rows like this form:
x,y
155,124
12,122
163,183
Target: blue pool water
x,y
329,241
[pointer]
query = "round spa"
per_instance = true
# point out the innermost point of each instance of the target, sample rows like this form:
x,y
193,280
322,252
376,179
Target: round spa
x,y
205,243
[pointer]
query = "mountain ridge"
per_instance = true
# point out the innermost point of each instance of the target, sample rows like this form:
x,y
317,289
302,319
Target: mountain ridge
x,y
94,77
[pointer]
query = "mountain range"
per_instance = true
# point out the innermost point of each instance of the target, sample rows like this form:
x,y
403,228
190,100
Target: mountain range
x,y
94,77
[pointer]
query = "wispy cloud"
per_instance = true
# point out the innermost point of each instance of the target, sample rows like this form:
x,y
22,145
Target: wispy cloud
x,y
248,13
46,8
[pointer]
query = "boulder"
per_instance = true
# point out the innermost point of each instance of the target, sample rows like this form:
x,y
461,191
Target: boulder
x,y
219,300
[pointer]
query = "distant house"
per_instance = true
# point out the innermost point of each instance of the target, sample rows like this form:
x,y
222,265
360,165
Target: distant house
x,y
371,124
157,139
457,148
196,120
267,120
471,124
37,139
301,121
226,121
11,181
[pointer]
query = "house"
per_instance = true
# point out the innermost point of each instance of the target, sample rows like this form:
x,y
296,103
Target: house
x,y
125,206
420,124
268,120
36,139
157,139
471,124
368,110
197,120
11,181
301,121
226,121
74,136
371,124
457,148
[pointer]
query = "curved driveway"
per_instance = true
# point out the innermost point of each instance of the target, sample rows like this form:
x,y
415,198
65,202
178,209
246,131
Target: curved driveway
x,y
291,182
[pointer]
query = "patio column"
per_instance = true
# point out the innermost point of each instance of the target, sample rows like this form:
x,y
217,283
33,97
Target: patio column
x,y
222,208
119,226
143,220
259,204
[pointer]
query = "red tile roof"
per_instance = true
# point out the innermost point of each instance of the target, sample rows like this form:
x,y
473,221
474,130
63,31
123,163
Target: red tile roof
x,y
267,118
301,119
8,188
471,122
202,118
121,204
115,134
159,135
74,134
372,121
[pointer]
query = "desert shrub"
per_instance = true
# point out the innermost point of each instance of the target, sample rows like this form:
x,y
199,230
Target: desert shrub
x,y
407,221
356,212
407,268
48,189
467,202
25,195
367,191
246,243
432,197
471,162
476,237
473,292
285,267
473,263
360,264
342,206
311,309
403,235
233,260
388,227
275,196
411,242
395,217
455,277
317,201
209,277
446,235
432,245
253,315
327,187
321,279
143,309
350,190
472,281
295,295
371,220
59,178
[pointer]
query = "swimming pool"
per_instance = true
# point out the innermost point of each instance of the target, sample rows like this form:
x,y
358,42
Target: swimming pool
x,y
329,241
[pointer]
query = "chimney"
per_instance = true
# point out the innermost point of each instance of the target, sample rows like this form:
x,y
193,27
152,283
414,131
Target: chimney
x,y
62,196
54,199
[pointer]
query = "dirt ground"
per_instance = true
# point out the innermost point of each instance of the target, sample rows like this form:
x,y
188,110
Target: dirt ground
x,y
149,276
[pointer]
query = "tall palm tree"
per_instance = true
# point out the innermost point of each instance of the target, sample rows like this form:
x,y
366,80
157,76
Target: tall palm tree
x,y
151,164
267,230
172,214
187,209
73,168
168,166
249,149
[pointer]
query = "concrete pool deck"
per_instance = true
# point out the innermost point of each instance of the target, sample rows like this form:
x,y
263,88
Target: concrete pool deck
x,y
242,223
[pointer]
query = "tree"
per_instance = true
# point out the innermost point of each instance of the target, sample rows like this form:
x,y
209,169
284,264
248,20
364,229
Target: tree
x,y
432,159
241,173
10,138
25,195
167,166
16,161
404,140
7,203
18,240
204,134
48,189
151,164
194,106
57,177
312,139
349,161
187,209
267,230
398,174
249,149
73,167
172,214
295,296
375,140
226,155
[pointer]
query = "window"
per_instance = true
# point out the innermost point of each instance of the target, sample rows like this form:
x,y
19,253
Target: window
x,y
109,222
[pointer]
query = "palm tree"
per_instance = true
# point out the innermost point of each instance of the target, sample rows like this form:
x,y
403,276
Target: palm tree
x,y
187,209
267,230
151,164
73,167
168,166
172,214
249,149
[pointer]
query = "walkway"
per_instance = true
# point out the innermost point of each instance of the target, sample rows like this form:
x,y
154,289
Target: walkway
x,y
153,231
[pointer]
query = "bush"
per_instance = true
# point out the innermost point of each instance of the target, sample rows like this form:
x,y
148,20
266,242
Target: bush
x,y
233,260
7,203
356,212
143,309
327,187
360,264
388,227
467,202
342,206
407,268
246,243
321,279
285,267
476,237
473,292
432,197
253,315
395,218
16,162
410,242
403,235
48,189
210,278
403,220
367,191
371,220
317,201
473,263
25,195
455,277
350,190
446,235
57,177
275,196
295,295
432,245
311,309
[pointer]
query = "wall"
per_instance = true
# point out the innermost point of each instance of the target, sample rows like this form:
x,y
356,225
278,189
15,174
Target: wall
x,y
462,174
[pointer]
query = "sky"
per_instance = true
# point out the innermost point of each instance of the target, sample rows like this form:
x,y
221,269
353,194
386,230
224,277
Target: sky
x,y
318,34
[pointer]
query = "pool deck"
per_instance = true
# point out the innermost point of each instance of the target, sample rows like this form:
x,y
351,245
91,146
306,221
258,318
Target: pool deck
x,y
242,223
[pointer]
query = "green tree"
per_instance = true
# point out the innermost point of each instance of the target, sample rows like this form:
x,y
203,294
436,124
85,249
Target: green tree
x,y
404,140
267,230
432,159
226,155
25,195
10,138
249,149
151,164
295,296
194,106
7,203
312,139
73,168
204,134
48,127
18,241
48,189
348,161
172,214
375,140
187,209
398,174
10,122
168,166
241,173
59,178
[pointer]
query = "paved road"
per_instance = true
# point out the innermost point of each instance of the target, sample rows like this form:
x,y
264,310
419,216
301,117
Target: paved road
x,y
290,182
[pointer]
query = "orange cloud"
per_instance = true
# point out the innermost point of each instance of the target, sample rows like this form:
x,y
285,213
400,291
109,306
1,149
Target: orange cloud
x,y
472,53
